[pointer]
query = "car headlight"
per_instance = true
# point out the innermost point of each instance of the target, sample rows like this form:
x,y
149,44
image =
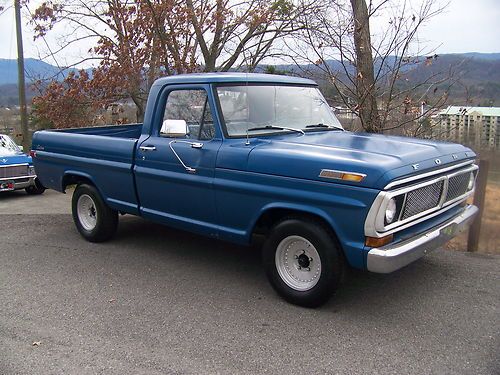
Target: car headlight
x,y
391,210
32,170
472,178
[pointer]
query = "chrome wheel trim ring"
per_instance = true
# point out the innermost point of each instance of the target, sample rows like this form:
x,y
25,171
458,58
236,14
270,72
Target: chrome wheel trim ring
x,y
293,268
86,211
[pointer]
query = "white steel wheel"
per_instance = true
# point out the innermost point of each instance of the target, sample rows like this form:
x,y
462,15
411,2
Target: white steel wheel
x,y
298,263
86,211
93,218
302,261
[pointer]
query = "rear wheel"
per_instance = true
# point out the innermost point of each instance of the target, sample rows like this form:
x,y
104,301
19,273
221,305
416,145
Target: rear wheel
x,y
303,261
95,221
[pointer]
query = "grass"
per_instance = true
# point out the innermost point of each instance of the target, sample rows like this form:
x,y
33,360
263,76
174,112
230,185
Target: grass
x,y
490,227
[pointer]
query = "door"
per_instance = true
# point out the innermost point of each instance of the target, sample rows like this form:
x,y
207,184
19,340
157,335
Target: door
x,y
175,167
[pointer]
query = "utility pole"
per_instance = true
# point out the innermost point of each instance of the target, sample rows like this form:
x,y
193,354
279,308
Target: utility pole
x,y
20,78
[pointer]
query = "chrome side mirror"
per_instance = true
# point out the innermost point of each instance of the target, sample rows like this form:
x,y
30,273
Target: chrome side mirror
x,y
174,128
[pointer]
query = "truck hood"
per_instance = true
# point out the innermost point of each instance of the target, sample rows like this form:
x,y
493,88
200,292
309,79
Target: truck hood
x,y
382,158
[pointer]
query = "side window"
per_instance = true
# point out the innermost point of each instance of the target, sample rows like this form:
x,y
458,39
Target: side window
x,y
192,107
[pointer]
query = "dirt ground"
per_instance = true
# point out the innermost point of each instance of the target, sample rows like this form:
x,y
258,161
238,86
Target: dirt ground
x,y
490,227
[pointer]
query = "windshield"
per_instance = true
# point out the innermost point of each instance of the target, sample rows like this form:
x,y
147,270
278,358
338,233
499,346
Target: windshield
x,y
7,146
268,109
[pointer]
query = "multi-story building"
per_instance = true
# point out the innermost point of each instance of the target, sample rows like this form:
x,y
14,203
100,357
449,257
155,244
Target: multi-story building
x,y
475,126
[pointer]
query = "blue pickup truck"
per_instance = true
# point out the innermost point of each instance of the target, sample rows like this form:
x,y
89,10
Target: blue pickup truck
x,y
231,155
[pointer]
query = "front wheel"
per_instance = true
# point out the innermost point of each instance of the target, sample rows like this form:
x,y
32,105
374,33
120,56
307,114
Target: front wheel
x,y
95,221
303,261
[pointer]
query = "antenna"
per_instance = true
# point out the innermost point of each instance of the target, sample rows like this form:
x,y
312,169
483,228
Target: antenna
x,y
247,143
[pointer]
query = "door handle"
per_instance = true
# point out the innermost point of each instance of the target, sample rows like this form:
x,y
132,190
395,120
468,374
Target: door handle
x,y
148,148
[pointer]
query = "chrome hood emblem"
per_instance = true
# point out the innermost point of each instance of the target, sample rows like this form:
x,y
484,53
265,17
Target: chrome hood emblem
x,y
4,160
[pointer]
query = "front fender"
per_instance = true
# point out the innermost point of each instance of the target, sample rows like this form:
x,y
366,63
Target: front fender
x,y
311,210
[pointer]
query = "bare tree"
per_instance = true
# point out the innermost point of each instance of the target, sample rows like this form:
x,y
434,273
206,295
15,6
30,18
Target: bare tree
x,y
127,49
372,71
234,34
139,41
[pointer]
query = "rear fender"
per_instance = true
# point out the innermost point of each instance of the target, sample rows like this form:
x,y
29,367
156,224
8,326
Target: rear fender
x,y
71,177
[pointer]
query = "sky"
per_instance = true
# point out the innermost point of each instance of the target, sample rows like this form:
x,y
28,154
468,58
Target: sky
x,y
464,26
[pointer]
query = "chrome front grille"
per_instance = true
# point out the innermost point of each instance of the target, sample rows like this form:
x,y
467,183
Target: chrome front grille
x,y
14,171
422,199
457,186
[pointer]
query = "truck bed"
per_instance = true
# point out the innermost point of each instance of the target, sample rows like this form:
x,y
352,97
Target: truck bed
x,y
103,155
117,131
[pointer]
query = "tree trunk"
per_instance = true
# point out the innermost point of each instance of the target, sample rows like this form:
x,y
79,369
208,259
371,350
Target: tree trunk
x,y
139,107
139,113
209,64
365,80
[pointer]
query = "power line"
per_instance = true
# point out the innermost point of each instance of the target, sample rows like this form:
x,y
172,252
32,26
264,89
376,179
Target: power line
x,y
46,44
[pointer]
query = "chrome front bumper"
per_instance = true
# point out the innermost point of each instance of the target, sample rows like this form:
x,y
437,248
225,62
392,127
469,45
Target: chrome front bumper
x,y
19,182
392,257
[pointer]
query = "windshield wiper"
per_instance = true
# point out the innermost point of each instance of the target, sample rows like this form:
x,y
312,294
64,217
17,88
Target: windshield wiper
x,y
320,125
277,128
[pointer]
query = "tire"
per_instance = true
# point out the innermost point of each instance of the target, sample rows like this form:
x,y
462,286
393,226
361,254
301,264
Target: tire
x,y
95,221
36,189
303,261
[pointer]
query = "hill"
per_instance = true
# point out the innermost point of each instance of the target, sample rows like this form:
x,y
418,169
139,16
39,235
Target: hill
x,y
479,75
35,69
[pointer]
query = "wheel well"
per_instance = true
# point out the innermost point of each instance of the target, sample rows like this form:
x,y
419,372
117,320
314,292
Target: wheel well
x,y
272,216
73,179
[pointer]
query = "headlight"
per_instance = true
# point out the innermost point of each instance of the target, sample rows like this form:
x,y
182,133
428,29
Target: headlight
x,y
390,211
470,185
32,170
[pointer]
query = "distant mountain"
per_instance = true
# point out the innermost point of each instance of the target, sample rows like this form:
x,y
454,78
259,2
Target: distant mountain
x,y
35,69
9,94
480,72
482,56
476,76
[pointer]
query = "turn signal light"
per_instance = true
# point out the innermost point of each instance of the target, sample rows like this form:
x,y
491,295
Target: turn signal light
x,y
341,175
377,242
352,177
